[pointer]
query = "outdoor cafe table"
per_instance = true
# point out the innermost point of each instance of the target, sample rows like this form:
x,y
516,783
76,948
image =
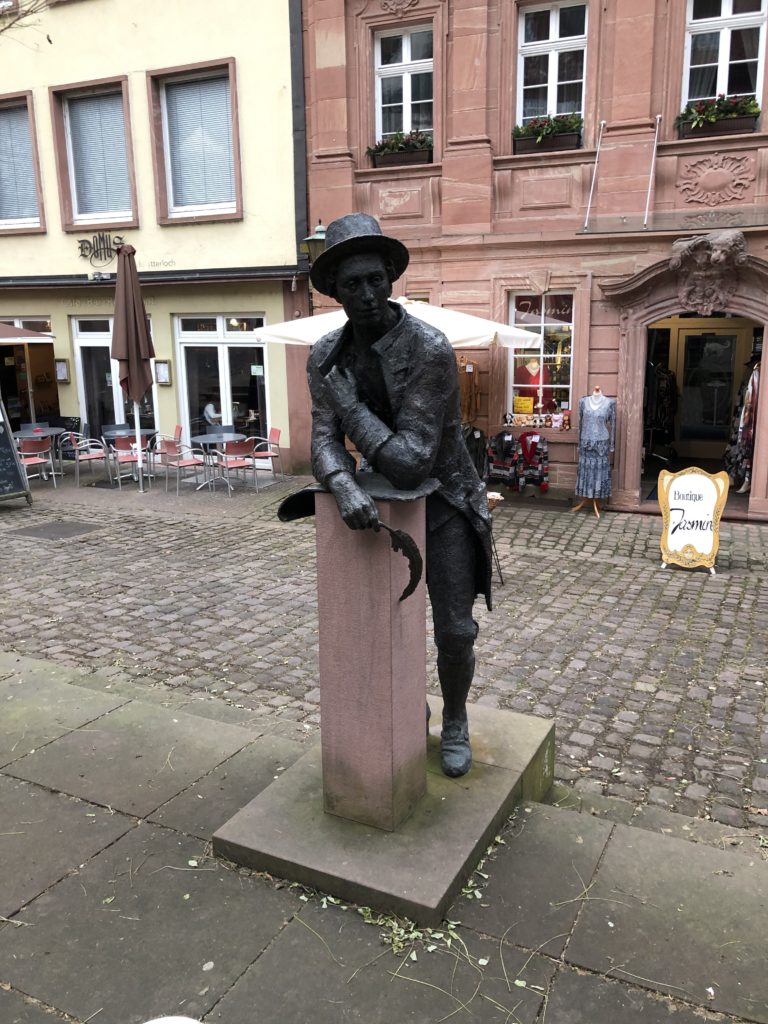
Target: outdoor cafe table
x,y
125,430
207,441
35,433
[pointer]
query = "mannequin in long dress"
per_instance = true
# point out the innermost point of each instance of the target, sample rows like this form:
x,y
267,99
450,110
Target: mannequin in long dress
x,y
597,436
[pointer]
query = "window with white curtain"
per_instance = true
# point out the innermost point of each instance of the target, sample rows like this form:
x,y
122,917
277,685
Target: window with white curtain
x,y
404,81
18,181
725,49
552,60
198,143
97,157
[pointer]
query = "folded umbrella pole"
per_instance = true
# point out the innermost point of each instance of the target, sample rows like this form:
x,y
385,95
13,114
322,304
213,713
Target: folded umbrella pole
x,y
131,340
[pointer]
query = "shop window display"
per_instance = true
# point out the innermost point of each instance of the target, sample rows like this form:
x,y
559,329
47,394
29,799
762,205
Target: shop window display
x,y
539,392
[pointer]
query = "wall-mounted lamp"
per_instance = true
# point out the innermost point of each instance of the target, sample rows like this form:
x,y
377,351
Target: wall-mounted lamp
x,y
314,244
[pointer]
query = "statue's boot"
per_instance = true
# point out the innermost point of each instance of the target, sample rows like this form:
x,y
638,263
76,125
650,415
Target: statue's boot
x,y
429,715
455,672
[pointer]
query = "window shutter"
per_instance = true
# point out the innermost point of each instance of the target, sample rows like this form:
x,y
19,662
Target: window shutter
x,y
98,154
18,192
199,127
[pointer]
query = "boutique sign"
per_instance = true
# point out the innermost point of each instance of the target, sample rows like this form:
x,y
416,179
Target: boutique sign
x,y
692,503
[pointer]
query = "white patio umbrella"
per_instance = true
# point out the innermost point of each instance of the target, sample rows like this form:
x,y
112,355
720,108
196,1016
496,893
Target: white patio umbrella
x,y
463,330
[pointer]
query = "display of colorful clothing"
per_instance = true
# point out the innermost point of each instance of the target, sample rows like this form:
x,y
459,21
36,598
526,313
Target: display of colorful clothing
x,y
738,454
597,438
532,461
519,462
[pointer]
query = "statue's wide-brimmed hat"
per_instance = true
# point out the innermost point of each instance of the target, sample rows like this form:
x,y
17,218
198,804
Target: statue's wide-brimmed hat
x,y
352,234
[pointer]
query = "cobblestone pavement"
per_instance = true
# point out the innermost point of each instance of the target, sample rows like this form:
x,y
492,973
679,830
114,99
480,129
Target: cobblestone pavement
x,y
656,679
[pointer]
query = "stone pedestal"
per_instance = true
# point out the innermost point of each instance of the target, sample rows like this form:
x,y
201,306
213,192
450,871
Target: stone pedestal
x,y
372,666
417,871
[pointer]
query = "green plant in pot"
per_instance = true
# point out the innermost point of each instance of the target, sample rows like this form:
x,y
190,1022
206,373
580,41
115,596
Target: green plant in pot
x,y
540,128
703,113
401,143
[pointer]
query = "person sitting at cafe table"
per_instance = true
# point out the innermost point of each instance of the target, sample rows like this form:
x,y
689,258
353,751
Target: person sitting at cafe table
x,y
209,412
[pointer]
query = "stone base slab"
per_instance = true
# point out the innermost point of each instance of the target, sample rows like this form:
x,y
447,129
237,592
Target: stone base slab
x,y
418,870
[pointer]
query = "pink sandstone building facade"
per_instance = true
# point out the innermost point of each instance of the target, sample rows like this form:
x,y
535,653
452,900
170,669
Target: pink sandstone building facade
x,y
636,256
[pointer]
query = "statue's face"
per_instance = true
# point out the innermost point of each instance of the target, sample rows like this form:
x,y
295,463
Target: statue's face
x,y
363,288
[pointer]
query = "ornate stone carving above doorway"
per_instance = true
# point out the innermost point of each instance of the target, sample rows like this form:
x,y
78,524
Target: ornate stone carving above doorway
x,y
708,269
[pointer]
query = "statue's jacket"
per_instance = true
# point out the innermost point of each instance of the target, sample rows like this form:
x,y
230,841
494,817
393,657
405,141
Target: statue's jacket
x,y
409,432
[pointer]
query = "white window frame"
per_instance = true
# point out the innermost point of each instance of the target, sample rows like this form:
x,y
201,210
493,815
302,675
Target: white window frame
x,y
16,223
222,340
551,47
197,209
94,339
536,346
725,24
101,216
406,69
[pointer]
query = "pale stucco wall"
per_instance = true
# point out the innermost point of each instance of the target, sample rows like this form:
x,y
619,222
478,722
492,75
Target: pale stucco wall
x,y
93,39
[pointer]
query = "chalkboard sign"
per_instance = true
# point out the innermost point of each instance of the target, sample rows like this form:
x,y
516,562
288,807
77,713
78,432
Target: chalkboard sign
x,y
692,502
12,480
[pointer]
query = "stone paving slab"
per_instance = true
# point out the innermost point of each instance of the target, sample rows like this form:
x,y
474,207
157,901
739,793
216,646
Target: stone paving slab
x,y
347,976
752,842
15,1009
536,878
45,836
586,999
138,934
680,918
133,759
215,798
37,710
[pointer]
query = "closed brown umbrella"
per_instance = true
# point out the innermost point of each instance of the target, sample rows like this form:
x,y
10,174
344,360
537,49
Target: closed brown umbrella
x,y
131,341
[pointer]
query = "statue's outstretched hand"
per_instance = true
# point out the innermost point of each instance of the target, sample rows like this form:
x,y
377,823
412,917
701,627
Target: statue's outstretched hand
x,y
342,390
356,507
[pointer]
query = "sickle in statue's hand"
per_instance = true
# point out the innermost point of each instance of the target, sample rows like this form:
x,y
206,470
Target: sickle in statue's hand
x,y
404,542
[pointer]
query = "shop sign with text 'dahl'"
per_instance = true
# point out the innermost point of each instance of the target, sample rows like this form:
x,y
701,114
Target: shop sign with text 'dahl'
x,y
692,503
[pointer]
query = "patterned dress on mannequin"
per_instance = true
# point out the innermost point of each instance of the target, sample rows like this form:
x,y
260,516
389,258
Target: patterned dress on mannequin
x,y
597,437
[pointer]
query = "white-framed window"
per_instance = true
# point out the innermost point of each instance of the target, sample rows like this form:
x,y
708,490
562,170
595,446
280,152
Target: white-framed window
x,y
19,206
198,144
542,370
724,49
404,70
552,56
223,373
102,400
40,324
97,157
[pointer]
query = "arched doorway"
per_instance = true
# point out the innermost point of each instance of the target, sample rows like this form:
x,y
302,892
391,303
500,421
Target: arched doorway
x,y
718,276
698,372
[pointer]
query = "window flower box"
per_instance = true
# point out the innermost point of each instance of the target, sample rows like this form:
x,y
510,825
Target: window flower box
x,y
724,115
725,126
547,144
401,148
545,134
413,156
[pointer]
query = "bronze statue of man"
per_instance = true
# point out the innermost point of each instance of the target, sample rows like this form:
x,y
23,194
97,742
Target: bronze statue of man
x,y
389,383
